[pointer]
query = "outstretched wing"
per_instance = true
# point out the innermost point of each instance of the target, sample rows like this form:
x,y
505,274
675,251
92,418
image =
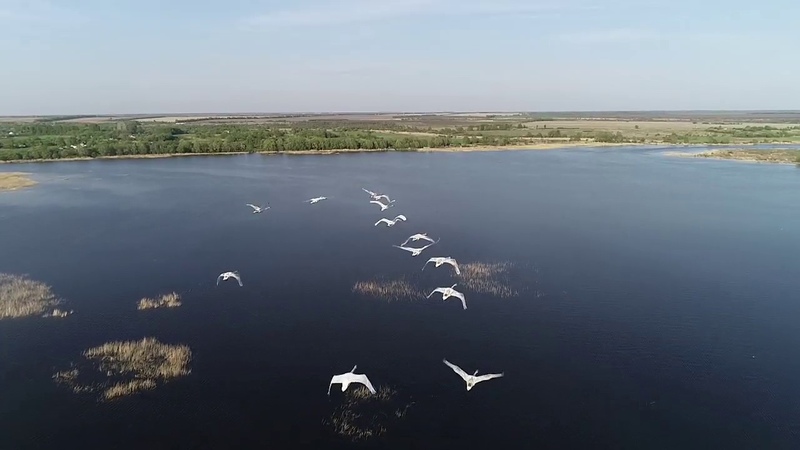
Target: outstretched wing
x,y
219,278
384,196
408,249
439,289
426,238
456,369
433,260
238,278
334,380
368,192
255,208
361,378
488,376
453,263
382,220
460,296
401,217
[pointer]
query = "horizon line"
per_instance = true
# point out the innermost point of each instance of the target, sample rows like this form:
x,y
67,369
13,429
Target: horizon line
x,y
400,112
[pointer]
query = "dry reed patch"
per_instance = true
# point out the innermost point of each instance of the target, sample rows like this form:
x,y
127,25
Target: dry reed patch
x,y
488,278
171,300
363,415
12,181
389,290
119,369
22,297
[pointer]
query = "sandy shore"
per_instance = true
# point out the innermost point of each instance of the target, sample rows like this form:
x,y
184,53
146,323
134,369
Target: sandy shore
x,y
12,181
776,156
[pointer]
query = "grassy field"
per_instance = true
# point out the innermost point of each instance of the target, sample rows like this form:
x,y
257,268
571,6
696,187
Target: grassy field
x,y
71,137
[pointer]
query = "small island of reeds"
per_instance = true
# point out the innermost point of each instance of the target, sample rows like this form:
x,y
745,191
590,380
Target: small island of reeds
x,y
119,369
12,181
21,296
171,300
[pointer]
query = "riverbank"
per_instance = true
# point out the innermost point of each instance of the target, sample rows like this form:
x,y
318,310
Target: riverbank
x,y
474,148
12,181
772,156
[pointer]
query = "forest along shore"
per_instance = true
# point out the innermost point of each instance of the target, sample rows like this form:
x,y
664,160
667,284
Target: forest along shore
x,y
67,138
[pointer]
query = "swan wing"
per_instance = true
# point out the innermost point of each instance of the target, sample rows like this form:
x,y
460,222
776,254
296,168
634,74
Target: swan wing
x,y
456,369
336,379
361,378
487,376
459,296
439,289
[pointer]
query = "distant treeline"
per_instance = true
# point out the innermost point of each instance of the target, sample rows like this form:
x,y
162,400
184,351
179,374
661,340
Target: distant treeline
x,y
55,141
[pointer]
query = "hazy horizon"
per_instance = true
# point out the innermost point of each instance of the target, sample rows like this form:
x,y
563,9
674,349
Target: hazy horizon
x,y
344,56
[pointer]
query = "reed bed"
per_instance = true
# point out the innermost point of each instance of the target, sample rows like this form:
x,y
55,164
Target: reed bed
x,y
363,416
126,368
171,300
488,278
389,290
22,297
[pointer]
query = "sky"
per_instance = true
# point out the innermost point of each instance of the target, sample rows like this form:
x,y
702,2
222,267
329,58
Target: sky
x,y
181,56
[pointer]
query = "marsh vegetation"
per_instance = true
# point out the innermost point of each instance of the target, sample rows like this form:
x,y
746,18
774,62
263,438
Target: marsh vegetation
x,y
119,369
363,416
389,290
21,296
12,181
171,300
488,278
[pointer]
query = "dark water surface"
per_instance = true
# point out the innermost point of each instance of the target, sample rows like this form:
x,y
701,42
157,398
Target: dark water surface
x,y
661,312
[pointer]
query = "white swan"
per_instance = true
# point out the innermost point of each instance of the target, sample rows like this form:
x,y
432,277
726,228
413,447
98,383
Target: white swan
x,y
473,379
390,223
383,207
375,196
316,200
414,251
448,292
258,209
439,260
225,275
350,377
418,236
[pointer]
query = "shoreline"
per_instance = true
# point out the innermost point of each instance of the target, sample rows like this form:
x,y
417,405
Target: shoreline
x,y
741,155
476,148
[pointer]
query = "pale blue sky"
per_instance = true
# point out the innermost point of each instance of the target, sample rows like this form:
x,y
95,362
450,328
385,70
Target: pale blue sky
x,y
143,56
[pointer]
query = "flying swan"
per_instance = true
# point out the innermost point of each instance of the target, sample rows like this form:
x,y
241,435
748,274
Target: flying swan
x,y
473,379
375,196
258,209
316,200
350,377
448,292
418,236
439,260
225,275
414,251
390,223
383,207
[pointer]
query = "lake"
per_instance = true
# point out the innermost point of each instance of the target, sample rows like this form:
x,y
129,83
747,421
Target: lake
x,y
658,299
